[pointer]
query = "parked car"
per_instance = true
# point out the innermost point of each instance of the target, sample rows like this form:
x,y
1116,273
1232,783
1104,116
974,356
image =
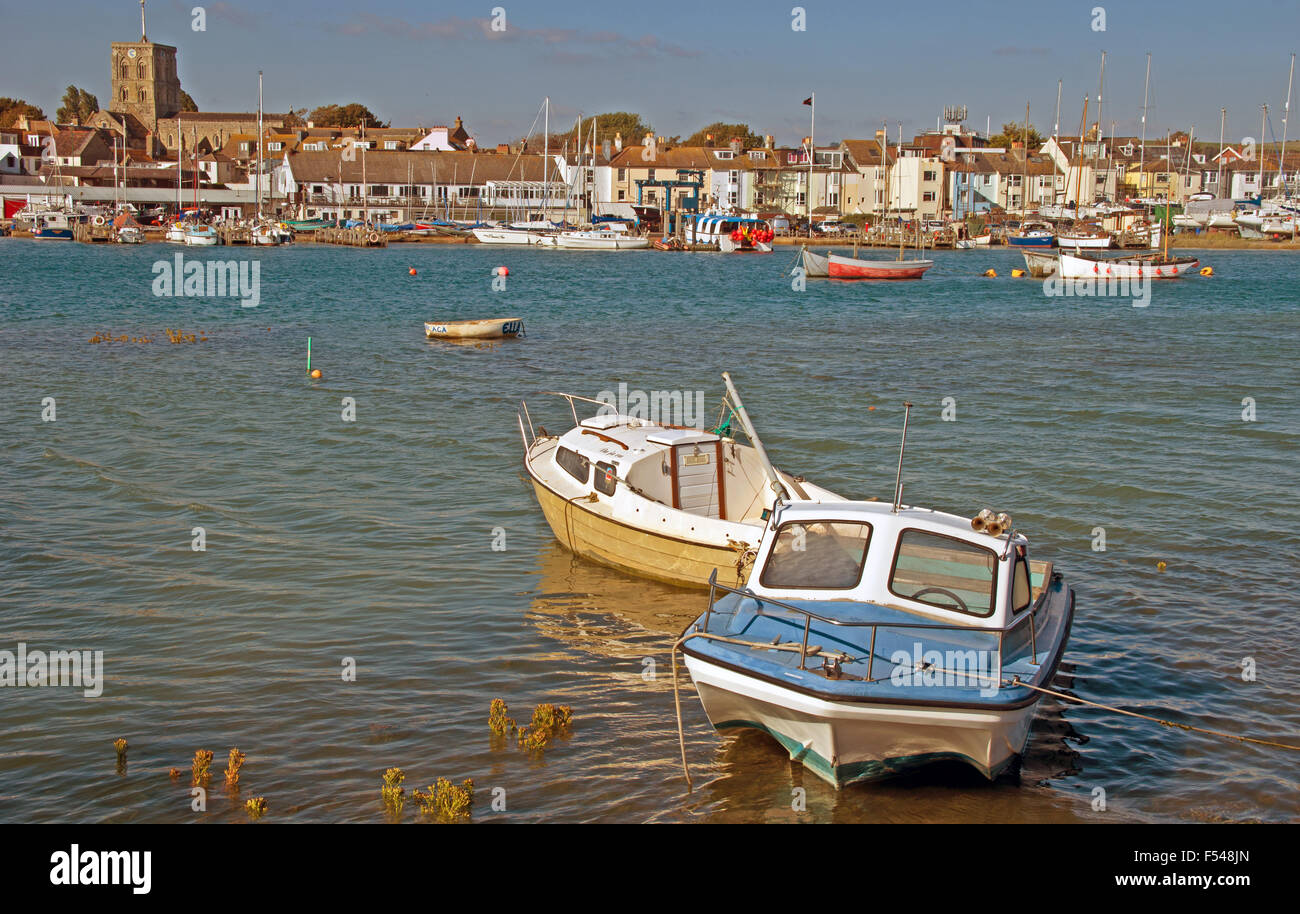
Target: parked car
x,y
836,227
780,225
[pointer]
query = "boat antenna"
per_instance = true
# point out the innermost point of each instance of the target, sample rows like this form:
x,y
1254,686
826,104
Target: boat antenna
x,y
768,470
898,482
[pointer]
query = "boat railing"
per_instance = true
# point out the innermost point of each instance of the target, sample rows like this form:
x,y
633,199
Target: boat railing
x,y
809,616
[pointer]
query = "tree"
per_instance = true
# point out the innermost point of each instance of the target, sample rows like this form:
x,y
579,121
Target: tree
x,y
13,108
1014,133
296,117
608,125
78,106
351,115
187,103
722,134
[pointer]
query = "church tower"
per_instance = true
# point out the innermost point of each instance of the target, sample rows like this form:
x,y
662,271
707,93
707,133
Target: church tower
x,y
144,81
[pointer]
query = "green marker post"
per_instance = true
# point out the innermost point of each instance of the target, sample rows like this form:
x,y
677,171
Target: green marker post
x,y
308,355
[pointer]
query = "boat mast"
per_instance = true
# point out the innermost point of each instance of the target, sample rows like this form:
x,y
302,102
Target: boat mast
x,y
1281,159
1024,180
1142,156
768,470
1078,174
1263,125
1218,181
180,157
365,189
1056,141
1096,149
258,191
546,161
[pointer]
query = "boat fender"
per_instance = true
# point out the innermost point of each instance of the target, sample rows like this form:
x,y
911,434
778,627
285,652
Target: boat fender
x,y
1207,271
992,273
1017,273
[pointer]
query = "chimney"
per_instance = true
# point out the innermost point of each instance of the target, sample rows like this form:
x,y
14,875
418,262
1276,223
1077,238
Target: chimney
x,y
708,139
737,144
503,148
769,141
618,142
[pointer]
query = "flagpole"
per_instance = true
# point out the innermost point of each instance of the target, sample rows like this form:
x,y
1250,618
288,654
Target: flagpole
x,y
812,145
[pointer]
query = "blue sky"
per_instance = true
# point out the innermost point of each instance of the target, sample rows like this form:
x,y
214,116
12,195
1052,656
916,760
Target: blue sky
x,y
682,65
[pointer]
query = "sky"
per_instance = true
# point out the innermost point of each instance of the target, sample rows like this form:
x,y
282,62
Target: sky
x,y
682,65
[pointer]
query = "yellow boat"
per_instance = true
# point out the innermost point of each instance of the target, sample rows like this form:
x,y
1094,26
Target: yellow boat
x,y
661,501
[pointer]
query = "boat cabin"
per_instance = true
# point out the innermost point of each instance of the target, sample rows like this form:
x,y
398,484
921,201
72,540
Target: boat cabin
x,y
923,562
690,470
712,229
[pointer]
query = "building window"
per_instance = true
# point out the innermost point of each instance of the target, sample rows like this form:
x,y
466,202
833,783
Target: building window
x,y
141,95
622,174
927,197
650,175
142,70
928,176
622,195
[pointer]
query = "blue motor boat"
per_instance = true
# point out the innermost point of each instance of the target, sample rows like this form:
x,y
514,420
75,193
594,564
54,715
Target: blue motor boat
x,y
873,638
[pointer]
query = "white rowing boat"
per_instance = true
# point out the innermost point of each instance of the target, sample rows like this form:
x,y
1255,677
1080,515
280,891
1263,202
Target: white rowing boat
x,y
493,328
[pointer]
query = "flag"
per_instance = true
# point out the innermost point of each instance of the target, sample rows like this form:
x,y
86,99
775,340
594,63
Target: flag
x,y
808,100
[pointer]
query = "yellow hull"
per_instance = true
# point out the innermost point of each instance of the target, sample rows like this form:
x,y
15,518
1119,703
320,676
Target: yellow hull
x,y
635,551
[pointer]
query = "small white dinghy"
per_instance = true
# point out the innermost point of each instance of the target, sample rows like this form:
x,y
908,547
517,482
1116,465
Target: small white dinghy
x,y
492,328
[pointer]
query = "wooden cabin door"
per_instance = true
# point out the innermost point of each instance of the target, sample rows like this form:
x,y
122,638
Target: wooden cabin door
x,y
698,479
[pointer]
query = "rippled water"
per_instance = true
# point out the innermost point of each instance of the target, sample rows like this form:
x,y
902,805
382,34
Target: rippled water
x,y
373,540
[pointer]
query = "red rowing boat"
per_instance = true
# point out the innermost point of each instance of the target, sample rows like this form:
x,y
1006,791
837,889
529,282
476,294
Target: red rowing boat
x,y
840,267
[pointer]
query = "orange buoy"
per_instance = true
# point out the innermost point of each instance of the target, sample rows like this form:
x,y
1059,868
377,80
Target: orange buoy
x,y
317,374
870,408
501,271
412,271
993,273
1207,271
1160,566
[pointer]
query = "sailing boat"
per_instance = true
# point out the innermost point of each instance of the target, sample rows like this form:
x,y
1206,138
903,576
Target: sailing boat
x,y
537,234
837,266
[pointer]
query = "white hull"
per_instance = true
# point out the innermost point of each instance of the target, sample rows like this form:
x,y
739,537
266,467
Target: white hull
x,y
846,742
600,241
514,236
1072,267
1087,242
201,240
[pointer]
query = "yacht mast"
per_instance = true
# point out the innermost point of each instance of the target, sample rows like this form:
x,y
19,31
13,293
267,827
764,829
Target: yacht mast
x,y
1286,114
258,185
1142,156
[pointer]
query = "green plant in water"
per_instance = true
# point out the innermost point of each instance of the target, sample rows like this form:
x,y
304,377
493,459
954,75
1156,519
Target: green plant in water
x,y
548,721
447,801
256,808
199,768
393,791
498,721
233,765
120,745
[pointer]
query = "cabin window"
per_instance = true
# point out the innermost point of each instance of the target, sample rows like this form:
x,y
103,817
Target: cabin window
x,y
826,555
945,572
604,480
573,463
1021,592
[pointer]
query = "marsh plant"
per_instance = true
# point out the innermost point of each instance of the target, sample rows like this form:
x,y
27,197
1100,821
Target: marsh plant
x,y
548,721
200,768
233,765
393,792
256,808
446,801
498,720
119,744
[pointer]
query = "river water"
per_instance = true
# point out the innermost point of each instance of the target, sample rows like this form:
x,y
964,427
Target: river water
x,y
374,539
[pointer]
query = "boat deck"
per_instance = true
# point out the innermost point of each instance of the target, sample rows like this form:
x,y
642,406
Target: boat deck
x,y
879,648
